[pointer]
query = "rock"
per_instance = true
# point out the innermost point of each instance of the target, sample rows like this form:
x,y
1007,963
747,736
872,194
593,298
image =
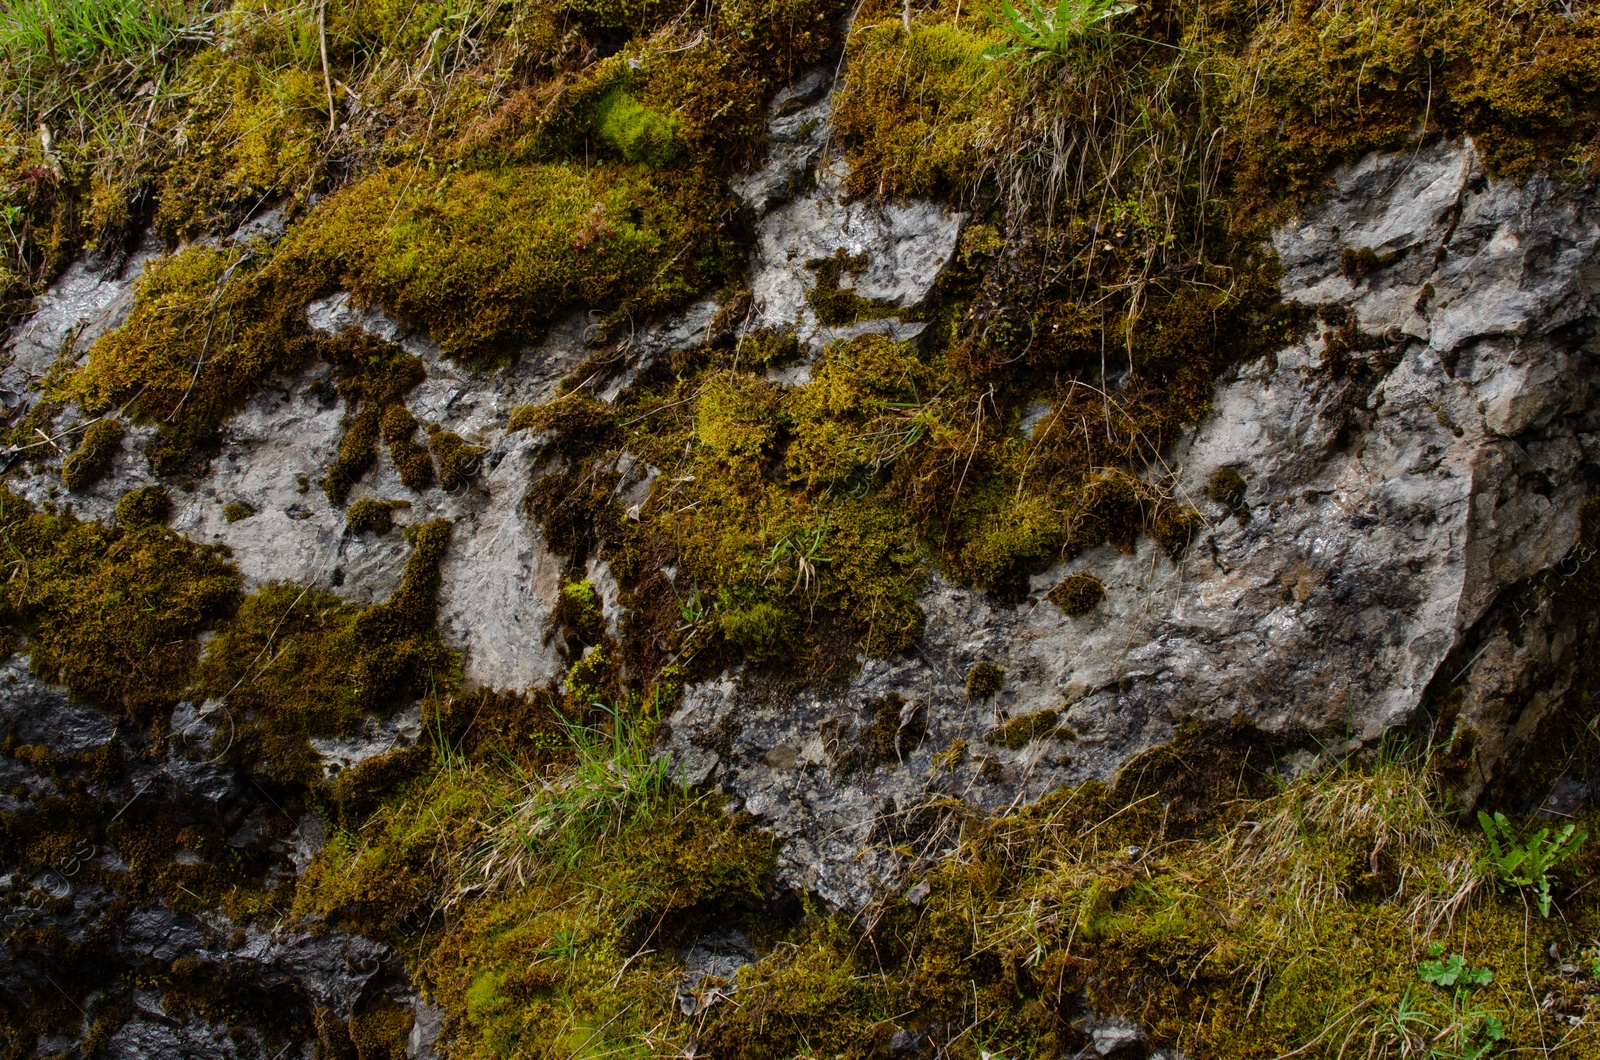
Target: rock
x,y
711,970
1380,524
1115,1039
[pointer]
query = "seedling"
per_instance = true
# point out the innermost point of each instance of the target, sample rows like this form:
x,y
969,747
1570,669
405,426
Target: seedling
x,y
1048,32
1470,1032
1529,864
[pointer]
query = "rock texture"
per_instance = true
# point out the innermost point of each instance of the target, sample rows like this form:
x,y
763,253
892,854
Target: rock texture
x,y
1426,446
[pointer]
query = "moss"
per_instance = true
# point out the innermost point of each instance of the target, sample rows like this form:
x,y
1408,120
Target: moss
x,y
456,459
1227,488
835,304
93,455
377,376
915,106
638,133
316,664
1023,729
1078,594
758,630
984,680
578,611
234,511
484,259
398,429
144,506
369,516
112,613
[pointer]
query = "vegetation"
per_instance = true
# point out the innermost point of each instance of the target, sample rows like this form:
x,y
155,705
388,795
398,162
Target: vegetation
x,y
479,170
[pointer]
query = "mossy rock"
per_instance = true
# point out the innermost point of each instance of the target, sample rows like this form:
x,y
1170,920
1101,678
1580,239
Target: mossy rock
x,y
1078,594
144,506
93,455
984,680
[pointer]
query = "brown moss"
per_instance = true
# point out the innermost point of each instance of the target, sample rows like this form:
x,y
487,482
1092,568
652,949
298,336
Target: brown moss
x,y
1227,488
93,455
1078,594
1023,729
377,377
112,613
369,516
316,664
457,460
984,680
144,506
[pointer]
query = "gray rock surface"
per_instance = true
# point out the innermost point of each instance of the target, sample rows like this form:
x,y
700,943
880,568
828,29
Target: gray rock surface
x,y
1393,493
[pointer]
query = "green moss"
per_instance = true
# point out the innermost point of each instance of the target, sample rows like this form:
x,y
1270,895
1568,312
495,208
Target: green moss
x,y
92,457
377,376
1227,488
578,611
638,133
369,516
144,506
984,680
234,511
484,259
1078,594
835,304
112,613
758,631
915,107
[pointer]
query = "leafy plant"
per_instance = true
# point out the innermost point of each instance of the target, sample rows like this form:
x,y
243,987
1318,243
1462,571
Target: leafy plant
x,y
1046,31
1528,864
1468,1032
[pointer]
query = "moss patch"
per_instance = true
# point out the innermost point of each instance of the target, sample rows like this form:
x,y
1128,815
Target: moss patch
x,y
92,457
112,613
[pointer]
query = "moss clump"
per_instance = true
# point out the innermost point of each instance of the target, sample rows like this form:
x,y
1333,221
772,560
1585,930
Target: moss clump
x,y
638,133
206,326
578,612
93,455
1023,729
369,516
112,613
984,680
1078,594
1227,488
758,631
457,460
484,259
144,506
377,376
917,106
398,430
234,511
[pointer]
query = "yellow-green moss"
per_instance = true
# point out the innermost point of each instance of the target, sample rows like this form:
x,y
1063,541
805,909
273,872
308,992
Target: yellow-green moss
x,y
484,259
92,456
457,460
1023,729
144,506
112,613
369,516
298,662
234,511
916,107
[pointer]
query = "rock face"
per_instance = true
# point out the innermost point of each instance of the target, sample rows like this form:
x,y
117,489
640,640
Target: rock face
x,y
1423,449
1426,446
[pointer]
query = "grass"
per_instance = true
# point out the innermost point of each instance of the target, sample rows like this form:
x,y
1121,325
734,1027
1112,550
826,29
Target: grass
x,y
41,39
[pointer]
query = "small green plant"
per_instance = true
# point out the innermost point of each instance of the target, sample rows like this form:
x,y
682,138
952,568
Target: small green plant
x,y
1528,864
1468,1031
1046,32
